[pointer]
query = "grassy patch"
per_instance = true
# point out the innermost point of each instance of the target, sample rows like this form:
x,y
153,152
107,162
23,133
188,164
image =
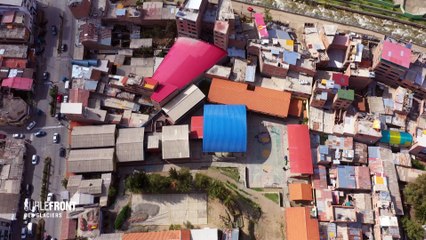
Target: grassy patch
x,y
273,197
231,172
258,189
417,164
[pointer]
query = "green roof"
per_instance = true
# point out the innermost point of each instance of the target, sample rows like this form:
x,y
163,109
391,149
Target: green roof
x,y
346,94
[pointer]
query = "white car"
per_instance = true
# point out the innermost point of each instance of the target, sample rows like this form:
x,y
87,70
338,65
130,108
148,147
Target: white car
x,y
31,125
18,135
35,159
50,197
65,99
56,138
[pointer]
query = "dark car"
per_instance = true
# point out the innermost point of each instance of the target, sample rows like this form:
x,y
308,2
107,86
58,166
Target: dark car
x,y
39,50
28,189
54,30
40,133
64,48
58,116
46,76
62,152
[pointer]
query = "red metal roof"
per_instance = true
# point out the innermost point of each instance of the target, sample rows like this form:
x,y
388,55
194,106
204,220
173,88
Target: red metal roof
x,y
299,147
341,79
187,59
396,53
8,17
18,83
196,127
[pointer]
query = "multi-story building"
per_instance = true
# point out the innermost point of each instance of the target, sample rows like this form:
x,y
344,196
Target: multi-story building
x,y
5,226
343,99
221,34
27,6
415,78
79,8
14,26
391,61
189,18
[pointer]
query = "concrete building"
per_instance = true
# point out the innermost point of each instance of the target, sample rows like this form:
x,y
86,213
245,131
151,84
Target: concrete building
x,y
189,18
14,26
391,61
93,160
130,145
100,136
415,77
343,99
5,228
89,191
80,8
28,6
221,34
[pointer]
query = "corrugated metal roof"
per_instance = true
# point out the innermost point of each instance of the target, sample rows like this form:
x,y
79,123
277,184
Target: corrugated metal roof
x,y
91,160
183,102
300,225
18,83
93,136
224,128
164,235
205,234
175,142
181,66
263,100
197,127
299,147
130,144
396,53
300,191
346,177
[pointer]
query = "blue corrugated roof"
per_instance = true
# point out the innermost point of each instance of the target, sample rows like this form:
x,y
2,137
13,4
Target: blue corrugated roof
x,y
290,57
225,128
280,34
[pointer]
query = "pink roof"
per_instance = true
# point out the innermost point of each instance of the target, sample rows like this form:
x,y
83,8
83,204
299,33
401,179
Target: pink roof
x,y
341,79
261,26
299,147
18,83
187,59
396,53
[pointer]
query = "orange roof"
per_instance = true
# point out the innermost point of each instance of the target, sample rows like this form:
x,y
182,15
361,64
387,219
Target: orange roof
x,y
164,235
296,107
258,99
300,225
300,191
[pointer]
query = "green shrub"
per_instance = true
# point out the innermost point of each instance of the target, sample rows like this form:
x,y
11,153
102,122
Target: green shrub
x,y
122,217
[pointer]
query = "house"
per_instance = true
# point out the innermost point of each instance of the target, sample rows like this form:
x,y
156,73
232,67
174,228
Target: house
x,y
130,145
300,224
299,147
175,142
97,136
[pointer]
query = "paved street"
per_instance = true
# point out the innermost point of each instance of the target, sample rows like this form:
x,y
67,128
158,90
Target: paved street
x,y
58,65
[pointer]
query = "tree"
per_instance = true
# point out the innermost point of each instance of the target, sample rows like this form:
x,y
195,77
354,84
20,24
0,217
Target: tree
x,y
413,229
122,217
201,182
137,182
64,182
158,183
415,195
268,16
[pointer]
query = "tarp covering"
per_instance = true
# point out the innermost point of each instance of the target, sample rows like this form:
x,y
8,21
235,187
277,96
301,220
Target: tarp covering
x,y
396,138
225,128
299,147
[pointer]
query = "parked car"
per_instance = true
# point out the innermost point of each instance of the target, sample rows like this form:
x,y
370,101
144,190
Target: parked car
x,y
58,116
18,135
46,76
28,189
39,50
2,136
65,98
40,133
31,228
250,9
31,125
59,98
62,152
50,197
56,138
54,30
64,48
35,159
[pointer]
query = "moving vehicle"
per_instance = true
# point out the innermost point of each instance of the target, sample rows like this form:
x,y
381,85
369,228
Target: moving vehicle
x,y
18,135
56,137
62,152
64,48
50,197
31,125
54,30
28,189
40,133
46,76
65,99
35,159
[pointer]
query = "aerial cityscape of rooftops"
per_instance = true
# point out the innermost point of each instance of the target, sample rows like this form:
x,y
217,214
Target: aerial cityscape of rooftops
x,y
213,119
